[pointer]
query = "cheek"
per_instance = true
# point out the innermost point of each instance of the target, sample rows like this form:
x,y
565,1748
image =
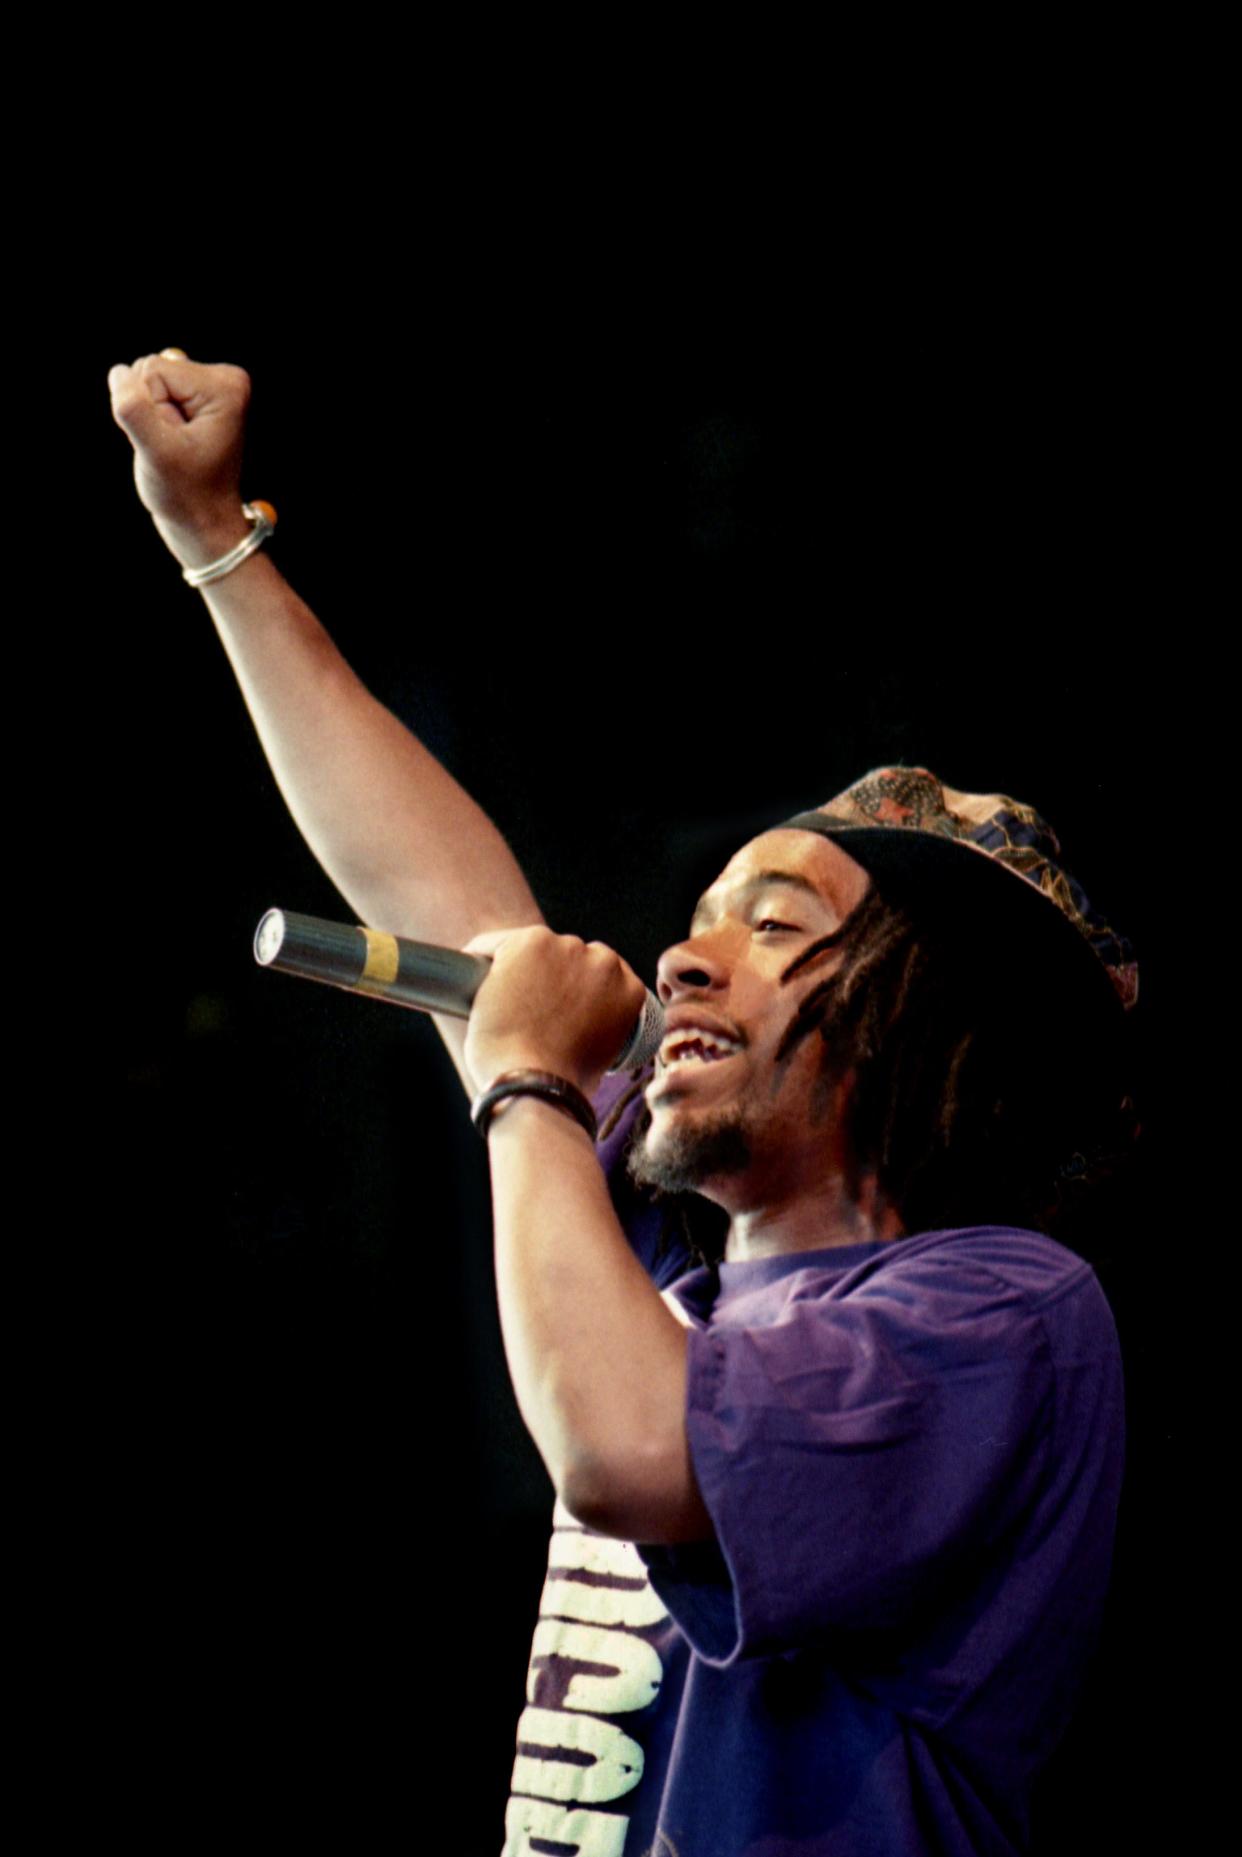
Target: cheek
x,y
803,1079
793,1078
798,1034
808,1016
806,1094
824,1097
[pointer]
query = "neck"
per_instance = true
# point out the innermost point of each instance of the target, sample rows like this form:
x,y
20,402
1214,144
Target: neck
x,y
823,1219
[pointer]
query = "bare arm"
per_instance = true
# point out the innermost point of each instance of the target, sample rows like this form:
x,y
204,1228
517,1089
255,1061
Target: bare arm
x,y
408,849
598,1360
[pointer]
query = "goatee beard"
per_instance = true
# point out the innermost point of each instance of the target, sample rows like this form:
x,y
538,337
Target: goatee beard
x,y
689,1155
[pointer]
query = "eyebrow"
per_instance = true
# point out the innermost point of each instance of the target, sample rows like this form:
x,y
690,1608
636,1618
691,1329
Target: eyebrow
x,y
704,910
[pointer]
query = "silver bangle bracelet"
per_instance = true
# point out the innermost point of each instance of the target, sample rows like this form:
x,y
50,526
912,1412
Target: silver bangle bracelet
x,y
262,517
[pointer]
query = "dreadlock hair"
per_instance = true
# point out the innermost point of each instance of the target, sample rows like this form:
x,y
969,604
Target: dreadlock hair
x,y
989,1069
988,1066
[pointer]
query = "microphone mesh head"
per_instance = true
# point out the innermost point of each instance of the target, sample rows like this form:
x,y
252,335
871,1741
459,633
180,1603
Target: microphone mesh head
x,y
644,1040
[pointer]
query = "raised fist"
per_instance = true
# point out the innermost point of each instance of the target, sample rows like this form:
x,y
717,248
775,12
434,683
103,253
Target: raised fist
x,y
185,421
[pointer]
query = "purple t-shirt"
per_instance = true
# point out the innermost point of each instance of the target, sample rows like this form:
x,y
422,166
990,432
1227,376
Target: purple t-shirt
x,y
912,1455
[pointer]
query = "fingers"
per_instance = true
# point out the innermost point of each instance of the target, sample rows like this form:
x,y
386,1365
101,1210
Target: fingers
x,y
134,402
186,422
592,963
164,401
138,393
551,1002
487,942
171,379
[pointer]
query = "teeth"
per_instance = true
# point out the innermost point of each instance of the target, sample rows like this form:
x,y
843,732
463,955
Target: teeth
x,y
701,1047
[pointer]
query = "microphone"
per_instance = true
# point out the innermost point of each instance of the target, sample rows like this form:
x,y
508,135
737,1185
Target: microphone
x,y
409,973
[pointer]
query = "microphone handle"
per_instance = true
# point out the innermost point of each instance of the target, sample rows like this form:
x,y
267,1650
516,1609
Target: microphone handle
x,y
364,960
409,973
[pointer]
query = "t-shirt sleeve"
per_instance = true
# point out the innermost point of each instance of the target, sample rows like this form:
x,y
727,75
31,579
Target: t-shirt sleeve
x,y
860,1452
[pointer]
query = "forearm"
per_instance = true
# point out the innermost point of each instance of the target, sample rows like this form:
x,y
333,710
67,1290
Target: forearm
x,y
402,841
597,1359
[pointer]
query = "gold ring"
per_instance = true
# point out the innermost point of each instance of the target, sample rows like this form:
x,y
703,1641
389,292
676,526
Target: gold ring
x,y
173,354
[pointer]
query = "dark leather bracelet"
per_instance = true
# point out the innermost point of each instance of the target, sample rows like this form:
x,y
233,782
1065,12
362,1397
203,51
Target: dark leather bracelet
x,y
545,1084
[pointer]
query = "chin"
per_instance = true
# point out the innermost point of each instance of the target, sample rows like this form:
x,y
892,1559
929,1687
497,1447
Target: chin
x,y
685,1157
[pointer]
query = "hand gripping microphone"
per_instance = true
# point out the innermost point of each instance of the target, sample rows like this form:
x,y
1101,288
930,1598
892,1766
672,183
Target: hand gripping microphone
x,y
410,973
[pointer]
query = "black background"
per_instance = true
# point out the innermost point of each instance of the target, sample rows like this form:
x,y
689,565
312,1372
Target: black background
x,y
642,600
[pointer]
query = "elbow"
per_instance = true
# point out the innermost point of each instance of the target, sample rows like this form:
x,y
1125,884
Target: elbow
x,y
608,1508
587,1488
652,1497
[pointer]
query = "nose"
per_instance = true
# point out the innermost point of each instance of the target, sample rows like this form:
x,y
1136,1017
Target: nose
x,y
689,967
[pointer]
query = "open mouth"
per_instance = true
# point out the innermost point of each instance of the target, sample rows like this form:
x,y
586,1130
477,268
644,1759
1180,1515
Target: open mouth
x,y
696,1047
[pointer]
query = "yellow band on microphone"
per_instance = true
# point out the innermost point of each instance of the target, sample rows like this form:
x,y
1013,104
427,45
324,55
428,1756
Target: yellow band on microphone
x,y
382,957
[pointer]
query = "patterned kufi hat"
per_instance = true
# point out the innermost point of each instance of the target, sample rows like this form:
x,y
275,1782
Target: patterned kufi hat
x,y
902,823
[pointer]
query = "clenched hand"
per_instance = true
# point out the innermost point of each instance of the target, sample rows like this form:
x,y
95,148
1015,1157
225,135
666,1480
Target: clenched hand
x,y
185,420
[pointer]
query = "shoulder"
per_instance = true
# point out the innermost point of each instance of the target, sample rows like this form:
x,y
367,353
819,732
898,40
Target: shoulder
x,y
1024,1266
1019,1268
984,1289
990,1261
977,1292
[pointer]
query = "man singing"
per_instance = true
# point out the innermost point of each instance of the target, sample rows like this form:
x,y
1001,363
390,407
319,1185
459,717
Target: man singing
x,y
834,1420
